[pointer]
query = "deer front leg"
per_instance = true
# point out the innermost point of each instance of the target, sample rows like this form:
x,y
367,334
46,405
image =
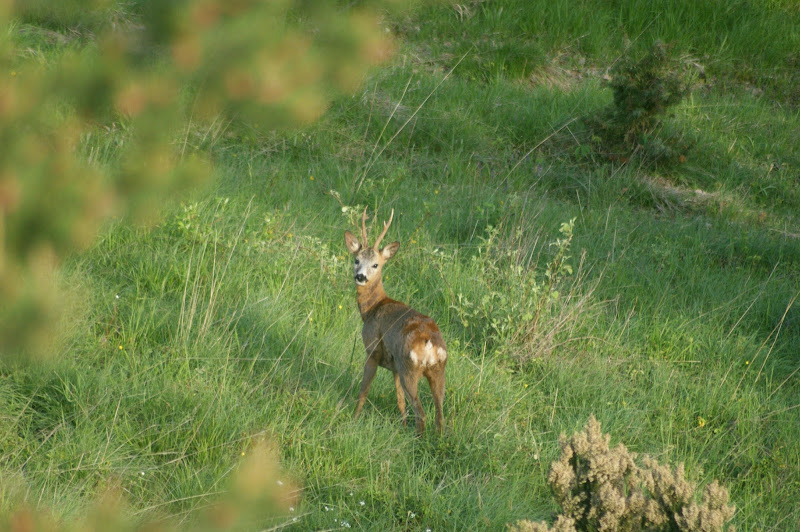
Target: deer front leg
x,y
370,368
401,398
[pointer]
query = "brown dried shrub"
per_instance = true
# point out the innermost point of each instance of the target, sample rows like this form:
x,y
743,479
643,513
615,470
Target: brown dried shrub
x,y
605,489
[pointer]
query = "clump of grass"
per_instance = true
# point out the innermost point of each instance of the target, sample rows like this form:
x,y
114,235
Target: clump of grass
x,y
599,488
644,89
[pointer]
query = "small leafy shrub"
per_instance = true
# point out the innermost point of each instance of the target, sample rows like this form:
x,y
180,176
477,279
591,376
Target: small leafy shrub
x,y
604,489
644,90
511,300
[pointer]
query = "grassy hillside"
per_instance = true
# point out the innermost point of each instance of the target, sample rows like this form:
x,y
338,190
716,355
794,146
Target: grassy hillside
x,y
676,324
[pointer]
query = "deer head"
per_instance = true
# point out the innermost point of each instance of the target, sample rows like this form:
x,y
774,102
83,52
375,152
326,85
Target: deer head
x,y
369,260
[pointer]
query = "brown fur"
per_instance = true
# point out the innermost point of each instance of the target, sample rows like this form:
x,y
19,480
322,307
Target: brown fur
x,y
396,337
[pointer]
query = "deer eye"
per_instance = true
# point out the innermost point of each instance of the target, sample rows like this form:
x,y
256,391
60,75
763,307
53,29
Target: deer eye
x,y
357,261
374,265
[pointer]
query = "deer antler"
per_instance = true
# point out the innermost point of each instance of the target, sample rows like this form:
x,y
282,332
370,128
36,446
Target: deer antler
x,y
364,242
385,228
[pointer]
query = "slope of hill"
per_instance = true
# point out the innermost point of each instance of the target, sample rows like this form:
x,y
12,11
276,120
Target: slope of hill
x,y
675,322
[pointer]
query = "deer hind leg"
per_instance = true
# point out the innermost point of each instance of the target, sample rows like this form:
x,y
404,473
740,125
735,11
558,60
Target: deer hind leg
x,y
401,398
436,381
369,373
410,383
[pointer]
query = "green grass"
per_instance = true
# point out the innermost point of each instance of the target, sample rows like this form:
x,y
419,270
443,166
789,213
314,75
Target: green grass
x,y
236,317
736,41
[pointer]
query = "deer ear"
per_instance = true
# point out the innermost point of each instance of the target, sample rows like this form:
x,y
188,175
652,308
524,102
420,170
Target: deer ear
x,y
352,242
389,251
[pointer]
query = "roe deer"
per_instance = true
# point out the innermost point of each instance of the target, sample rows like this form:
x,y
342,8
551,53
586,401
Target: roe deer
x,y
396,336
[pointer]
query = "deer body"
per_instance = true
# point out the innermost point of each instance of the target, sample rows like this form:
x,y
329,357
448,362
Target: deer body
x,y
396,337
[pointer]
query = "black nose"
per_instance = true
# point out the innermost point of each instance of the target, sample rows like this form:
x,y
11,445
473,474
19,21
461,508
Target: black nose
x,y
361,278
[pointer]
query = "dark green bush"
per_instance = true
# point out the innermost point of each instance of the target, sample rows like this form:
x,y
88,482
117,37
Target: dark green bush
x,y
644,89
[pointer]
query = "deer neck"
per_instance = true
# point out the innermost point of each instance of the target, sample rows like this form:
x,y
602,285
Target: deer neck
x,y
369,296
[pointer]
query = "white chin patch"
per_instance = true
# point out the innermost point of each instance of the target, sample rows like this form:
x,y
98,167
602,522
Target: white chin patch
x,y
361,283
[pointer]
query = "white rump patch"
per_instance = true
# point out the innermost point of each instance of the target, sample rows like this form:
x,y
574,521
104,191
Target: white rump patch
x,y
429,355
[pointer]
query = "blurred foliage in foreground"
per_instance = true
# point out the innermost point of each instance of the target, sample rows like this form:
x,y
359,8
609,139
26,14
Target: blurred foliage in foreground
x,y
256,494
142,76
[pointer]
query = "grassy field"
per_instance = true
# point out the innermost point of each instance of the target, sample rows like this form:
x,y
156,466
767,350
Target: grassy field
x,y
676,323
